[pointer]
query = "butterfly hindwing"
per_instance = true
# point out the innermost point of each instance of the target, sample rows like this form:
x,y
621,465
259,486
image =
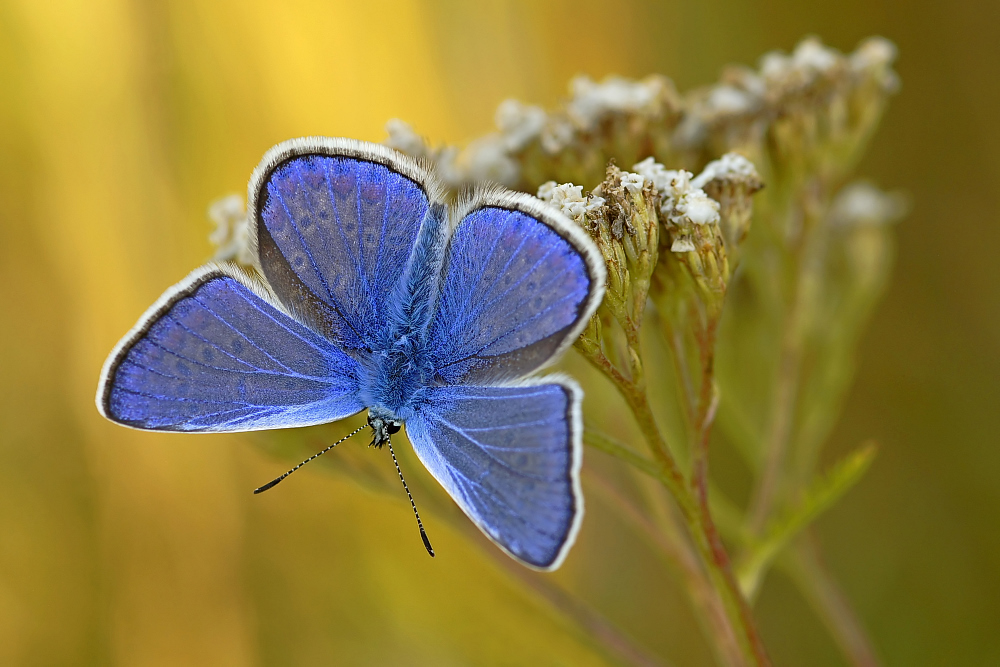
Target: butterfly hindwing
x,y
216,354
520,282
510,457
334,222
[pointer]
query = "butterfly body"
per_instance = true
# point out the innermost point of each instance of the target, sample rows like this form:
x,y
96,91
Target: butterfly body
x,y
377,295
401,367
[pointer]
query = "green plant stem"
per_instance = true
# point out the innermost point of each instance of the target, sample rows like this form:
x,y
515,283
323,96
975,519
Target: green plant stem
x,y
676,552
804,256
708,403
680,364
698,522
804,565
779,429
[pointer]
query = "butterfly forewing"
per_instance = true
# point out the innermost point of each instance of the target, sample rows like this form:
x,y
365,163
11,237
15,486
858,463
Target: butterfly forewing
x,y
215,354
519,284
335,222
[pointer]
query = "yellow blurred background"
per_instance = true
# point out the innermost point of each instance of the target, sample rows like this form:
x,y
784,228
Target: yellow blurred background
x,y
120,121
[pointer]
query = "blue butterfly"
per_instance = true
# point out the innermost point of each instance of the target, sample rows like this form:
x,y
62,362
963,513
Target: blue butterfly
x,y
375,294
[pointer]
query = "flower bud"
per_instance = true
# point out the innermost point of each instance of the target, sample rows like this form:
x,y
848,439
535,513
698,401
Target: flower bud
x,y
732,181
696,256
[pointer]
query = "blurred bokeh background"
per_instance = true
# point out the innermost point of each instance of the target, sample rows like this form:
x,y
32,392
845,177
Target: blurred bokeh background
x,y
121,120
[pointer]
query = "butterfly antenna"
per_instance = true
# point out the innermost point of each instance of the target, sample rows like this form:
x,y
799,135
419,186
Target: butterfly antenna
x,y
420,524
274,482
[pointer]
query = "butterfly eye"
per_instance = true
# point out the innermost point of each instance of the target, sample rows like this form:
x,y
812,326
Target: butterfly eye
x,y
393,427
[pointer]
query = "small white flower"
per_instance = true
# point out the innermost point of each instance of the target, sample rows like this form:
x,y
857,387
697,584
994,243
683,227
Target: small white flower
x,y
680,181
593,101
486,159
747,81
567,192
594,203
874,52
655,173
812,56
861,203
404,139
568,198
699,208
729,166
226,212
556,135
682,198
774,65
727,99
575,210
519,123
449,168
632,182
545,190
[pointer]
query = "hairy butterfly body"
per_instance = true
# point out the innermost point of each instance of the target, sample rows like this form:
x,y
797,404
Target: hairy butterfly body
x,y
376,295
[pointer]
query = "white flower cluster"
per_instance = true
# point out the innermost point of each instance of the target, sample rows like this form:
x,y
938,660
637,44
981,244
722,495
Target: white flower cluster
x,y
682,202
557,134
810,59
740,106
730,100
487,159
404,139
744,91
731,166
742,94
231,235
593,101
519,123
876,55
874,52
861,203
569,199
633,182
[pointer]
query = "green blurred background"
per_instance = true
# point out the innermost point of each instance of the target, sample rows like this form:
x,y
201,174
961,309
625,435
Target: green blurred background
x,y
120,121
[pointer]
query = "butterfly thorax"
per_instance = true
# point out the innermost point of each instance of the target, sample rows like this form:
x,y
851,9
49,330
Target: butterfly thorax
x,y
396,377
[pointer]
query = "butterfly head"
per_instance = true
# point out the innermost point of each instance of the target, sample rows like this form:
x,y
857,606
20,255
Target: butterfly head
x,y
382,428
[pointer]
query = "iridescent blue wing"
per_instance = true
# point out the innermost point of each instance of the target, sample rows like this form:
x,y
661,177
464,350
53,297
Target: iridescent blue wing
x,y
510,457
334,223
217,353
520,283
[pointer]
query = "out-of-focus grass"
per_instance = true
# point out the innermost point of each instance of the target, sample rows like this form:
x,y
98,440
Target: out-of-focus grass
x,y
120,121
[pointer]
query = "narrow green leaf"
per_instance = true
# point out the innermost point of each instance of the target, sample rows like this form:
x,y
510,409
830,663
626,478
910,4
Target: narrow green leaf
x,y
820,496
